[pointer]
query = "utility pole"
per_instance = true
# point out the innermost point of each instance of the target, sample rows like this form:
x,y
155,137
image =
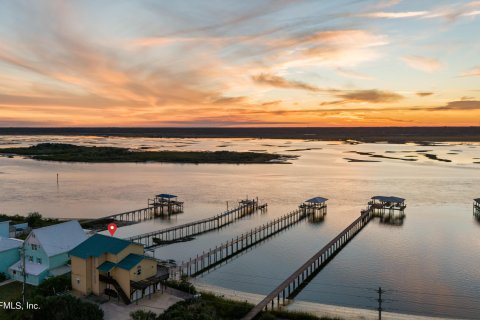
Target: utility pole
x,y
23,272
380,291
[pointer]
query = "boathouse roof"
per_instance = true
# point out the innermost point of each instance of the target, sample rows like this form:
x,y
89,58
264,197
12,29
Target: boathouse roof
x,y
166,195
389,199
316,200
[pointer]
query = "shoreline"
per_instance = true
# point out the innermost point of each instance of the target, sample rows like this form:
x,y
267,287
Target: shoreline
x,y
363,134
317,309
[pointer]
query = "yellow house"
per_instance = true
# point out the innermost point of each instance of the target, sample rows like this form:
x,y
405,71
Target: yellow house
x,y
116,267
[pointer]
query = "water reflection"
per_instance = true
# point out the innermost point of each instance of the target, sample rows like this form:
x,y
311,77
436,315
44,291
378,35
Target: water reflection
x,y
477,218
392,220
316,218
430,252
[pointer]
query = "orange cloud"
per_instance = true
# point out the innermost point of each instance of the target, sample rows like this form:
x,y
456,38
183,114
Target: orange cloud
x,y
279,82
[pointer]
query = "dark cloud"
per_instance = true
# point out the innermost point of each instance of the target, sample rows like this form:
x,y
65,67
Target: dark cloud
x,y
224,122
460,105
230,100
280,82
372,96
424,94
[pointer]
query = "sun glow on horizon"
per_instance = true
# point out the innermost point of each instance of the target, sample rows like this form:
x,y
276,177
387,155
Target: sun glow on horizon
x,y
272,63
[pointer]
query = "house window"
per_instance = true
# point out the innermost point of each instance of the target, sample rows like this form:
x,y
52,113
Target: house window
x,y
34,246
39,260
30,258
78,280
139,270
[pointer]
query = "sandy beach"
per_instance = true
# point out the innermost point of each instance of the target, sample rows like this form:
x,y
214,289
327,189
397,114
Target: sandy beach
x,y
321,310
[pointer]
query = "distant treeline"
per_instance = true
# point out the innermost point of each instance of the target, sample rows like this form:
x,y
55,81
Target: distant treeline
x,y
366,134
75,153
34,220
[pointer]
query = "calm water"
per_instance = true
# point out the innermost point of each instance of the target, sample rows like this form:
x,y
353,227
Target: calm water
x,y
429,265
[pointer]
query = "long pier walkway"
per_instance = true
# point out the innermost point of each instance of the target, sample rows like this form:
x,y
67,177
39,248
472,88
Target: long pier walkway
x,y
214,256
129,217
297,280
173,234
161,205
319,260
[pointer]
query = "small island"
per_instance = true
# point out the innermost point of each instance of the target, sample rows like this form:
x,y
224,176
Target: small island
x,y
76,153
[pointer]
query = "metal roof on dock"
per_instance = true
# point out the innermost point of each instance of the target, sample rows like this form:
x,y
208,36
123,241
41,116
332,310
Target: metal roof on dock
x,y
166,195
389,199
316,200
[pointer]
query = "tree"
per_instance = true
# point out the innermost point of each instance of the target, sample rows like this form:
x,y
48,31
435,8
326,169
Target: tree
x,y
34,219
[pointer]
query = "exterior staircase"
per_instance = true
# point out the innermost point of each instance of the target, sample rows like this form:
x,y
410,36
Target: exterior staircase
x,y
119,289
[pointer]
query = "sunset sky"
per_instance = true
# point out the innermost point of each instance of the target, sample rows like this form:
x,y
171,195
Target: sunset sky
x,y
239,63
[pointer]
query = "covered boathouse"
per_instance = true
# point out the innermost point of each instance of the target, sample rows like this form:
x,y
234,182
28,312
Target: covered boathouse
x,y
315,208
381,204
390,209
476,207
165,204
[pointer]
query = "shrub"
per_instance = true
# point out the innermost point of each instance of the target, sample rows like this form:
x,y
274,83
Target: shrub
x,y
58,308
142,315
52,286
182,285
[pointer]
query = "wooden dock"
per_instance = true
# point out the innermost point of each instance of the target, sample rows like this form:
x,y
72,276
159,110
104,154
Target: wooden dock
x,y
161,205
173,234
281,293
223,252
303,275
129,217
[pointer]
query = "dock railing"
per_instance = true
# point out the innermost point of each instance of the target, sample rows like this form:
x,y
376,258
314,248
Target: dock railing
x,y
170,235
319,260
214,256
